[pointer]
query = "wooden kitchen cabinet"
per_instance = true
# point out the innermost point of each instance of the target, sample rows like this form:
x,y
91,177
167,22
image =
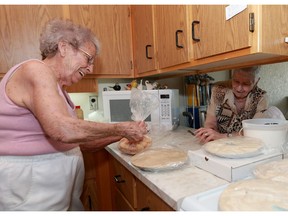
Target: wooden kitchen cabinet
x,y
215,35
96,194
89,195
212,43
161,37
123,185
156,28
112,26
241,40
147,200
130,194
144,44
20,27
172,34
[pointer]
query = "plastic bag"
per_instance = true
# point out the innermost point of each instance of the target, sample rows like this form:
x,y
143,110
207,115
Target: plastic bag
x,y
142,104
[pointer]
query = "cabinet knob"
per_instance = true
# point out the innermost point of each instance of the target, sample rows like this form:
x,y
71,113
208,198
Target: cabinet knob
x,y
118,179
286,39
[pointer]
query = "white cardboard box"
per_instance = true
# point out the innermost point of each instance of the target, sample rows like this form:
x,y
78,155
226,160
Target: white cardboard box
x,y
229,169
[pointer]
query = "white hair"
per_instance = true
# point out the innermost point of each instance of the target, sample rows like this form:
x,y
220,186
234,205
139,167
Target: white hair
x,y
254,71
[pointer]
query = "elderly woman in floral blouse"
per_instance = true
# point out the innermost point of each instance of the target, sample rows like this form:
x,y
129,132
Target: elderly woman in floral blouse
x,y
231,102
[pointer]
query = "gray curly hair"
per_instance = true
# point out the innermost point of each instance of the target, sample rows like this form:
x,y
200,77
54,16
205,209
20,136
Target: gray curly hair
x,y
254,71
57,30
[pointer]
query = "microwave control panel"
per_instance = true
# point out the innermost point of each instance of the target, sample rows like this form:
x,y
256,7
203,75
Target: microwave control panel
x,y
165,103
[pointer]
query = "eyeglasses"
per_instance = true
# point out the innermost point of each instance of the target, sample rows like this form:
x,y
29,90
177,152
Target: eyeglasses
x,y
90,59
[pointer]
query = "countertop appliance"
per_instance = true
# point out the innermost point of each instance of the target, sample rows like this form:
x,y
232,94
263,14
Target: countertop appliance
x,y
116,106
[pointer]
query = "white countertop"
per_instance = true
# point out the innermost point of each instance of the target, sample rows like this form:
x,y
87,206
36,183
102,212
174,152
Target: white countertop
x,y
172,186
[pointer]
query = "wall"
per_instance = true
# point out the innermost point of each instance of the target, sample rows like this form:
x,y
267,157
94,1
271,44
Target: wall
x,y
274,79
82,99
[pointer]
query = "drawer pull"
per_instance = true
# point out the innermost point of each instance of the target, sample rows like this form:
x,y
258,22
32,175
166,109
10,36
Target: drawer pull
x,y
147,52
145,209
118,179
177,43
193,30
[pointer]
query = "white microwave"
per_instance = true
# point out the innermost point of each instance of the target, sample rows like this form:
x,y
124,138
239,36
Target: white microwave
x,y
116,107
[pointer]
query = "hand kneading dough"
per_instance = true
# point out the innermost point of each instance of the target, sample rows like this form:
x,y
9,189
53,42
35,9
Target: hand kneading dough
x,y
133,148
254,195
235,147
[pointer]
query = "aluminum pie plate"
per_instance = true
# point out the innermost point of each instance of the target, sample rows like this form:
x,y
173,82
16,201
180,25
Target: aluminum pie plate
x,y
255,195
235,147
274,170
159,159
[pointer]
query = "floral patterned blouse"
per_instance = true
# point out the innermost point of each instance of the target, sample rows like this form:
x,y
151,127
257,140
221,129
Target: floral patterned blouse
x,y
223,108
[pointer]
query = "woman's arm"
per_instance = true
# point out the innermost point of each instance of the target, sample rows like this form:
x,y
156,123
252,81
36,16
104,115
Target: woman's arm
x,y
35,87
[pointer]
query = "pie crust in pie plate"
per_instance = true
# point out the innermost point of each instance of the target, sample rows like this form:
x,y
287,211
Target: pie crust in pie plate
x,y
254,195
157,159
274,170
235,147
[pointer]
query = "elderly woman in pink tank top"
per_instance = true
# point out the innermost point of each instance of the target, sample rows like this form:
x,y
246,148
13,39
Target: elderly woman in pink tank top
x,y
41,165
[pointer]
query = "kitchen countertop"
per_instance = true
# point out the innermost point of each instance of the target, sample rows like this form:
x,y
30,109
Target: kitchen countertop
x,y
172,186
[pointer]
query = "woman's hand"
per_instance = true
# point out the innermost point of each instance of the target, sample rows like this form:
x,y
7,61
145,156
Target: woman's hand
x,y
134,131
207,134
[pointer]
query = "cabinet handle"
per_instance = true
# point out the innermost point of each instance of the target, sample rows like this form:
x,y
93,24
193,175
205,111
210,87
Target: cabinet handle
x,y
177,45
90,203
145,209
118,179
147,53
193,31
251,22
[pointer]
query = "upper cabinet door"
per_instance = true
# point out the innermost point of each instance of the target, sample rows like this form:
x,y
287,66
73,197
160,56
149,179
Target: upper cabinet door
x,y
213,34
112,26
274,29
172,36
20,27
144,49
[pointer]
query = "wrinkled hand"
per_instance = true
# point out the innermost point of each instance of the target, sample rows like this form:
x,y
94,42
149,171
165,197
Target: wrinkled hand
x,y
134,131
207,134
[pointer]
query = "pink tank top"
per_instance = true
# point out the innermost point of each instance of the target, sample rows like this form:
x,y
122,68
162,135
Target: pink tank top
x,y
20,132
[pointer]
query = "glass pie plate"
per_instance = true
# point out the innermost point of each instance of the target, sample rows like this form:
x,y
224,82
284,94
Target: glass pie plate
x,y
159,159
235,147
255,195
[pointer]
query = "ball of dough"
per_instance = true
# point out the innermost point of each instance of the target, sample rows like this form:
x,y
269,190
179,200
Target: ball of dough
x,y
133,148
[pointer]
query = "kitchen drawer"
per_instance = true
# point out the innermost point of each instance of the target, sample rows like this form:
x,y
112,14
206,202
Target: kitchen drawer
x,y
147,200
124,181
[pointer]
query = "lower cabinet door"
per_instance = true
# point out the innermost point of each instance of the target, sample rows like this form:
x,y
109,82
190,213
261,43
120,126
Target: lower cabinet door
x,y
89,196
121,203
124,181
147,200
